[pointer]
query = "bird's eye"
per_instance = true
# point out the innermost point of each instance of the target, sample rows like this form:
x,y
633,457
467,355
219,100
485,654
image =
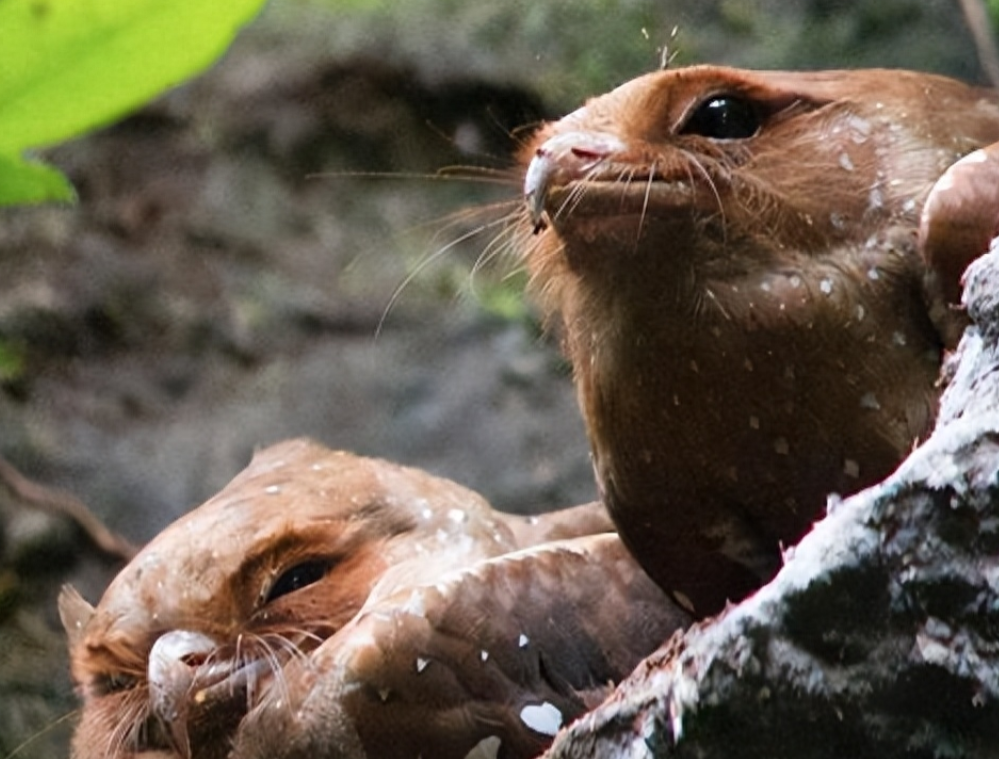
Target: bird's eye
x,y
724,117
298,577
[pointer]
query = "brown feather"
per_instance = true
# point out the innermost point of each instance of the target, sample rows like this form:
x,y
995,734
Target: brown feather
x,y
747,311
233,625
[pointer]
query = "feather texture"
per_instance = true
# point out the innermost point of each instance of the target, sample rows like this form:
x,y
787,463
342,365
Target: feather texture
x,y
328,605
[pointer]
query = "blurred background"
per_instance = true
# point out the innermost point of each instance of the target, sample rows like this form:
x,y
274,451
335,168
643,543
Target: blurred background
x,y
266,252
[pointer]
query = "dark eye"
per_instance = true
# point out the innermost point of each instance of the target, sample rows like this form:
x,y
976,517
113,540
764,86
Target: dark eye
x,y
724,117
298,577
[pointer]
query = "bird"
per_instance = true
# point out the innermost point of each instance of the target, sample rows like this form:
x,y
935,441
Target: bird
x,y
325,604
733,262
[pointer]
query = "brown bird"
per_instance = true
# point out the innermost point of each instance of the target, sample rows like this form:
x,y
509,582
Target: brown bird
x,y
327,605
733,259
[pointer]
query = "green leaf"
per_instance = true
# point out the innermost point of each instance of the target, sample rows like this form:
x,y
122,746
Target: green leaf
x,y
24,181
67,66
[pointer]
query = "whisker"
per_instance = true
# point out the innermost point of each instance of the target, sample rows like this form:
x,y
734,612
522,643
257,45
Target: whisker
x,y
694,160
238,654
127,723
627,178
645,201
40,733
521,242
501,245
575,197
294,649
428,261
276,666
501,177
467,216
245,655
480,175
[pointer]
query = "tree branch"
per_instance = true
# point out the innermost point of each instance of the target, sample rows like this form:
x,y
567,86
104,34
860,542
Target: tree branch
x,y
65,504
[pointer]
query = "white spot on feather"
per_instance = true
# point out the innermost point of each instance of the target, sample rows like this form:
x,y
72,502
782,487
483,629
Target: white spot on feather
x,y
870,401
545,718
272,489
860,129
487,748
684,600
421,663
522,641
